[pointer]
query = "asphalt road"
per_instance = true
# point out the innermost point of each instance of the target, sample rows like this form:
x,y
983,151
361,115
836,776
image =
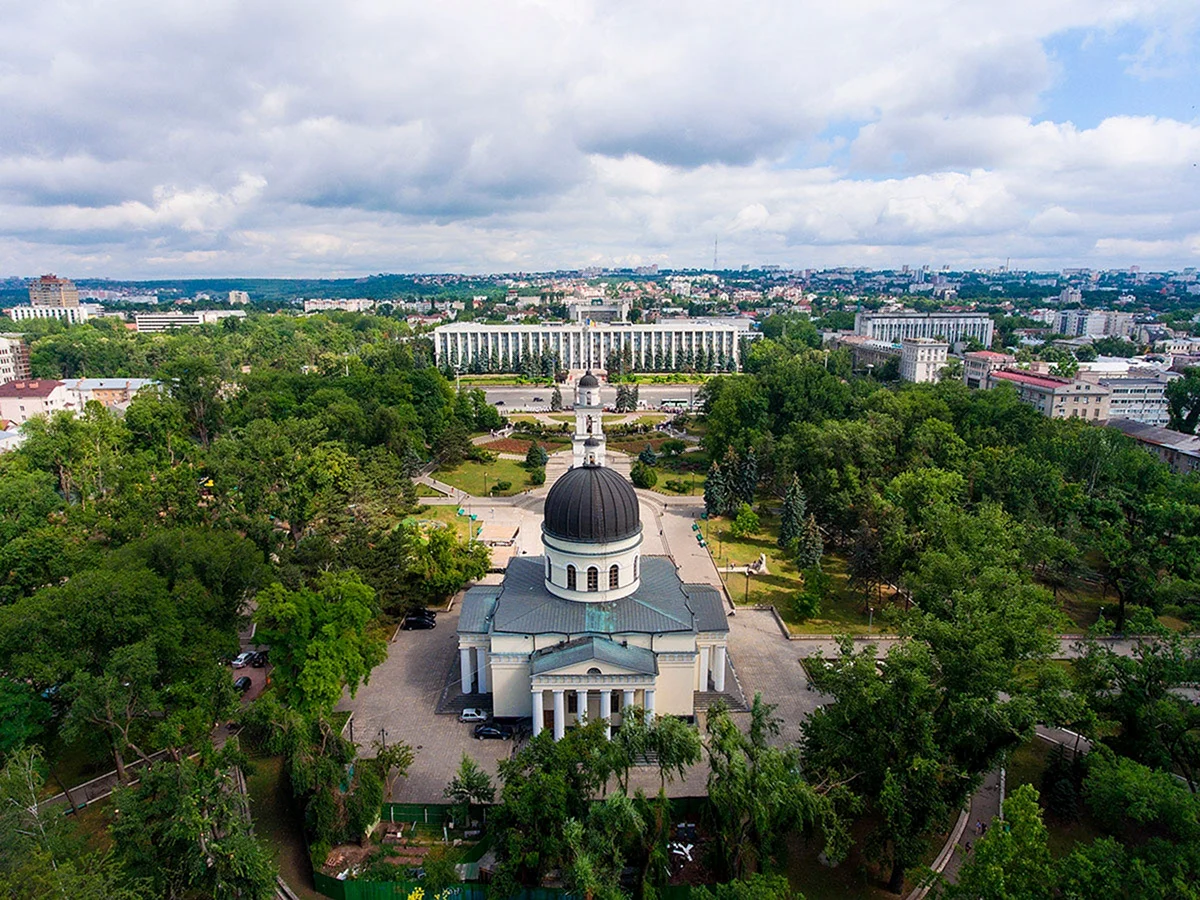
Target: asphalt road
x,y
532,397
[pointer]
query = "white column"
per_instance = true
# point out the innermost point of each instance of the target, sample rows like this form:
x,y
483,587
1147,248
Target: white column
x,y
626,702
464,663
649,704
581,702
703,668
538,716
606,699
560,715
482,659
719,667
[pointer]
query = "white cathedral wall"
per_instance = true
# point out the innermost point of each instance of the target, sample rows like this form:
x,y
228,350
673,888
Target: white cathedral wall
x,y
563,553
673,694
511,687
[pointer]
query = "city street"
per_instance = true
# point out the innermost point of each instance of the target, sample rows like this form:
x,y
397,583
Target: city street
x,y
518,398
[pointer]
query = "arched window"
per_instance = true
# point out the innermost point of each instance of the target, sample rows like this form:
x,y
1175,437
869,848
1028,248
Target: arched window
x,y
547,568
635,566
593,578
614,577
570,578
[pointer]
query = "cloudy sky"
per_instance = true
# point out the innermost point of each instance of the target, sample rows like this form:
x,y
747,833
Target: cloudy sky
x,y
156,138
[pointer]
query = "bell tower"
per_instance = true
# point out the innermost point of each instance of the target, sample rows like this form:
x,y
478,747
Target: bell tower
x,y
587,443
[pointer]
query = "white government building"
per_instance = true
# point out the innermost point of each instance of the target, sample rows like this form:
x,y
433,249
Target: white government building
x,y
586,346
951,327
592,627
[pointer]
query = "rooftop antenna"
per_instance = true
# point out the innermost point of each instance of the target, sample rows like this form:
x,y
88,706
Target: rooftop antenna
x,y
715,237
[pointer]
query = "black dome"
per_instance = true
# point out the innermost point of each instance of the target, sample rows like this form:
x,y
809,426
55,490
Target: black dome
x,y
591,442
589,380
592,504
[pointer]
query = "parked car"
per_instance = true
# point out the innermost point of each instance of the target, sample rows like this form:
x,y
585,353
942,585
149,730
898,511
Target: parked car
x,y
260,659
243,659
499,402
430,614
493,732
417,623
538,400
472,714
242,684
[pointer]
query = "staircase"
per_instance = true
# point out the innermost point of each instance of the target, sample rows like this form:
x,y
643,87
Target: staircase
x,y
705,699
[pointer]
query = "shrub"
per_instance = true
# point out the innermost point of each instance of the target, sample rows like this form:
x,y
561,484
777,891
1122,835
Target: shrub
x,y
642,475
501,486
674,484
537,476
536,457
745,523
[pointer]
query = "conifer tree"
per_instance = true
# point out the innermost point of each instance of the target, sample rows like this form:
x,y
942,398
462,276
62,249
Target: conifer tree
x,y
809,546
556,399
716,491
791,522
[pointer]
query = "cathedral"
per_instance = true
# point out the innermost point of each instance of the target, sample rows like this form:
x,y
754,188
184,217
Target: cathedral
x,y
593,626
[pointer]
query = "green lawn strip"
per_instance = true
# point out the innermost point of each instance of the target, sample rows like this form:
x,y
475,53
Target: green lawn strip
x,y
277,824
424,490
841,609
447,515
477,479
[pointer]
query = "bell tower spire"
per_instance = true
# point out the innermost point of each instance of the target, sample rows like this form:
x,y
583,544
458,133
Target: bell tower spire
x,y
587,443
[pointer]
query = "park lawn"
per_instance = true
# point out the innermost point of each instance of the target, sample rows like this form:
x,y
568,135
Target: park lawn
x,y
277,825
668,378
499,379
693,480
841,610
447,515
92,824
561,417
477,478
1025,765
424,490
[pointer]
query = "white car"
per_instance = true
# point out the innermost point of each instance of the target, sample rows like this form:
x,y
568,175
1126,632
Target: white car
x,y
473,715
243,659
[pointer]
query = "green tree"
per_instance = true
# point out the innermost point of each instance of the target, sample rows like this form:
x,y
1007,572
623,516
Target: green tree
x,y
470,784
393,762
791,520
745,523
536,457
759,794
195,383
556,401
1183,401
185,829
1012,861
642,475
716,491
321,639
810,546
648,456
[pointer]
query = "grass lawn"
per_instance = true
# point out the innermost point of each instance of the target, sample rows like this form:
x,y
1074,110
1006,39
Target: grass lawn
x,y
841,610
277,825
651,419
424,490
693,480
499,379
445,514
477,478
92,824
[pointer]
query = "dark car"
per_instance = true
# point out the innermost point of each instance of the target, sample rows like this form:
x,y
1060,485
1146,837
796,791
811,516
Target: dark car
x,y
493,732
430,614
241,685
260,659
499,402
417,623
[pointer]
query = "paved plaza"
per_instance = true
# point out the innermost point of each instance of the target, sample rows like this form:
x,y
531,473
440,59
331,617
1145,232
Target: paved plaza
x,y
421,673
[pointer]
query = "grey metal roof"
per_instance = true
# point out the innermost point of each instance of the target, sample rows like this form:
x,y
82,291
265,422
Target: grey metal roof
x,y
475,611
592,504
602,650
661,604
589,380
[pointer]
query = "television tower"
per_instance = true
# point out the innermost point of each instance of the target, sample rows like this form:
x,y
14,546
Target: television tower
x,y
715,237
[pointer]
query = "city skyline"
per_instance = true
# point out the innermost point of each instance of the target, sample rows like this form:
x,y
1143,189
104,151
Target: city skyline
x,y
224,140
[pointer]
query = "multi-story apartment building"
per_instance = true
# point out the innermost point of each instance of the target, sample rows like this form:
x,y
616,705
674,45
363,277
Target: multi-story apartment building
x,y
979,364
922,359
581,346
950,327
14,358
239,297
1139,393
1056,398
153,323
112,392
1093,323
50,290
1179,451
20,401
